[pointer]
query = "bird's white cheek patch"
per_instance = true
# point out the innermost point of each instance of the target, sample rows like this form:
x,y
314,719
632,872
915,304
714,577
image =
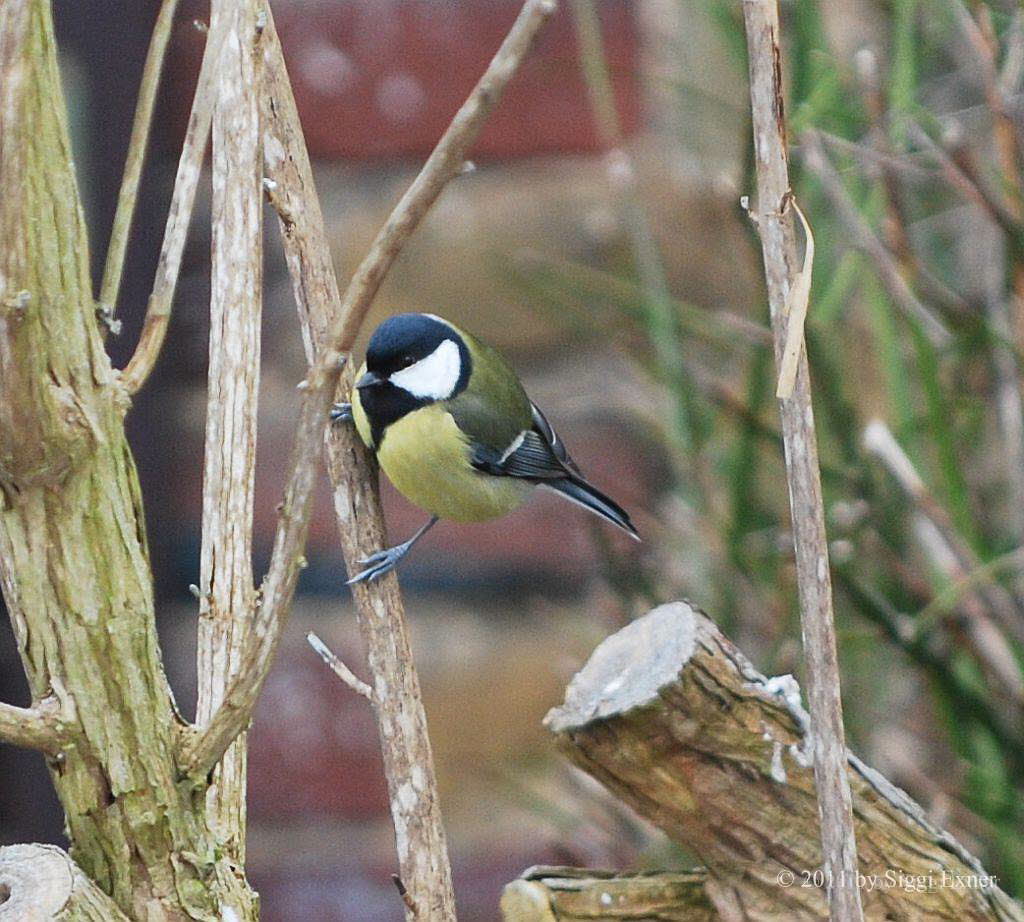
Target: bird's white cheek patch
x,y
433,377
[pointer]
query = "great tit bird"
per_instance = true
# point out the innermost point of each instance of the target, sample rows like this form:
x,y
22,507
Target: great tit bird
x,y
455,432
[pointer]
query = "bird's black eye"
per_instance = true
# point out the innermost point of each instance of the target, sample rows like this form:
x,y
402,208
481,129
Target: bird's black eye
x,y
407,360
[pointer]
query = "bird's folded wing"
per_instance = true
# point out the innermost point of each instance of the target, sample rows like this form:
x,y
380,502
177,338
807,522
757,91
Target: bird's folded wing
x,y
534,454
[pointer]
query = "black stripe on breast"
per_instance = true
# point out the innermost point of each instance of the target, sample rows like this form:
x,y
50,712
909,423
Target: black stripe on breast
x,y
386,404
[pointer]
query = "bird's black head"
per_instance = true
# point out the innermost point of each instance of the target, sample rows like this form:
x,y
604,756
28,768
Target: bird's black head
x,y
412,360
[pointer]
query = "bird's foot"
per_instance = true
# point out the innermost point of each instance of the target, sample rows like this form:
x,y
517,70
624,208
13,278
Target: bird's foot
x,y
341,413
380,563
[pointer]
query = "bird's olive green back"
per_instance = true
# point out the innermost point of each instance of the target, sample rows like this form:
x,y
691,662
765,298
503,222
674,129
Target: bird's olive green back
x,y
494,408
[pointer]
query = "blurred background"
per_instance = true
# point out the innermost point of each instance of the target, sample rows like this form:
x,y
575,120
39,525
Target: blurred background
x,y
601,245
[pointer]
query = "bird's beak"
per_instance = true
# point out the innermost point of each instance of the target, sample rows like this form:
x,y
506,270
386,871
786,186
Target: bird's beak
x,y
368,380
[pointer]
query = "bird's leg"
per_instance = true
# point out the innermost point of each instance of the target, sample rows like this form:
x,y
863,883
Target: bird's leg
x,y
385,561
341,413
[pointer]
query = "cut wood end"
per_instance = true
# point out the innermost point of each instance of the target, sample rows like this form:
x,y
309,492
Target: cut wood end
x,y
36,880
628,669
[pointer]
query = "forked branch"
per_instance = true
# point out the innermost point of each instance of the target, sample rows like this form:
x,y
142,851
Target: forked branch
x,y
190,165
126,199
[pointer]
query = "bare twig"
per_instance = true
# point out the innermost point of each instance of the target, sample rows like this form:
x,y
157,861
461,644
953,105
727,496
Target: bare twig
x,y
778,242
227,594
967,185
118,245
43,727
873,159
339,668
330,332
865,239
190,164
895,231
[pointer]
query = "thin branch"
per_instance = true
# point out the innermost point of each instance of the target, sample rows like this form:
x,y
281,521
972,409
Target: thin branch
x,y
202,750
422,849
967,185
190,165
874,159
778,241
118,245
895,228
43,727
865,239
226,581
339,668
405,744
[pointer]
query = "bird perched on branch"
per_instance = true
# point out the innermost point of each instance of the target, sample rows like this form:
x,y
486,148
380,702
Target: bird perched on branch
x,y
455,432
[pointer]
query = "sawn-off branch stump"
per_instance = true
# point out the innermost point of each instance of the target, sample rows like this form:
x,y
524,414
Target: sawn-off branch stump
x,y
40,883
674,720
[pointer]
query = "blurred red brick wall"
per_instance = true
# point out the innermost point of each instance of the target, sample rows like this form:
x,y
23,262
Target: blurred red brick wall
x,y
378,79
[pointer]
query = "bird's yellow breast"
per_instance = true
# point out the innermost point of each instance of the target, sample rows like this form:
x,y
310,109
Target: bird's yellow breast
x,y
426,457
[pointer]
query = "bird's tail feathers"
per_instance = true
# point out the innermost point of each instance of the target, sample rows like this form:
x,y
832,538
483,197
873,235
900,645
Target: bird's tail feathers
x,y
582,493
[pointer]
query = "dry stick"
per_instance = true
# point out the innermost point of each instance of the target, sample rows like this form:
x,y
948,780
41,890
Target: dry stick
x,y
227,599
406,748
158,311
408,762
875,159
1006,370
775,225
1006,314
955,557
339,668
865,239
43,727
118,246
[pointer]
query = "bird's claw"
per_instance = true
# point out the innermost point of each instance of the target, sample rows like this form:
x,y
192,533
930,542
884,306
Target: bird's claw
x,y
378,564
341,413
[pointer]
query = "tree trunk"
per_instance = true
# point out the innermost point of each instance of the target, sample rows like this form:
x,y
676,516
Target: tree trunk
x,y
674,720
73,559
